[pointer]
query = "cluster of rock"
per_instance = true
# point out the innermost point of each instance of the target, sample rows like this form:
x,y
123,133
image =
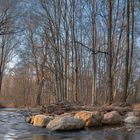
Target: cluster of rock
x,y
81,120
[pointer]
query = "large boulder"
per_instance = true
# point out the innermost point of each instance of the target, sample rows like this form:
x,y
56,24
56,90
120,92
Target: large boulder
x,y
132,120
41,120
112,118
90,118
65,122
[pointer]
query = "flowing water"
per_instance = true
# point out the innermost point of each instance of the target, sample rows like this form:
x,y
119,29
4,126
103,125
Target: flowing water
x,y
14,127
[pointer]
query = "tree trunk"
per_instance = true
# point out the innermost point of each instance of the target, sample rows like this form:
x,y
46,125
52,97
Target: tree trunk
x,y
94,93
1,75
38,98
132,40
126,78
110,94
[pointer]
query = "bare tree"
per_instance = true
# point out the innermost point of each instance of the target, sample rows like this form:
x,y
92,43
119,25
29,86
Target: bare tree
x,y
7,28
110,91
126,78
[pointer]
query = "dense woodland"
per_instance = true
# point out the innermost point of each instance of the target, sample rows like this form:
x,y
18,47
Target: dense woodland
x,y
77,51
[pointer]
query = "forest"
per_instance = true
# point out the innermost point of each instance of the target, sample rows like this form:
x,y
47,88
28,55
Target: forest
x,y
77,51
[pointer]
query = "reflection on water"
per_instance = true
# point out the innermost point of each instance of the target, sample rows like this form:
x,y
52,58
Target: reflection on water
x,y
90,136
13,127
42,137
127,137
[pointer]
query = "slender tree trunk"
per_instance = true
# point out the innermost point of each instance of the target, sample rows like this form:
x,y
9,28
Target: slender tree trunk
x,y
126,78
110,94
40,87
66,52
1,77
132,39
75,82
94,93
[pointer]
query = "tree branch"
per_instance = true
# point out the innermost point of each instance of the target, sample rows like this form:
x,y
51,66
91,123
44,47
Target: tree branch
x,y
90,49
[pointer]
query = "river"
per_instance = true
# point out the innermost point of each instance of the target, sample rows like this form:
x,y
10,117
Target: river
x,y
14,127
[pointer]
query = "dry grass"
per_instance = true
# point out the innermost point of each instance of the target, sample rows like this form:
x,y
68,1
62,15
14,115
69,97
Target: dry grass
x,y
5,102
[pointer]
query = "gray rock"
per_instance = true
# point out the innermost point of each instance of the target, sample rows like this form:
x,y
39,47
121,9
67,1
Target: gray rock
x,y
130,114
112,118
132,120
65,122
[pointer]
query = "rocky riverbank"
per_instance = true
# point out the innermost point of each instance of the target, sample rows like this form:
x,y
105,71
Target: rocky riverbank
x,y
85,118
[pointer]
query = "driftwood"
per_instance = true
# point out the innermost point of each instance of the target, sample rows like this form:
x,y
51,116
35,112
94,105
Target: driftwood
x,y
64,107
121,110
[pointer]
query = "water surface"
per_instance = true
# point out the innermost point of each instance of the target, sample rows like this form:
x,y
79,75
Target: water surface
x,y
13,127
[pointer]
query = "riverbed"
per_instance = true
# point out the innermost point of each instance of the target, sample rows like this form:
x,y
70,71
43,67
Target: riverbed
x,y
14,127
